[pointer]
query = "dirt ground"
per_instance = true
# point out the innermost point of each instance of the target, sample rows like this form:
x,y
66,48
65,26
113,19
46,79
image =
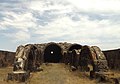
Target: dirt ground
x,y
57,73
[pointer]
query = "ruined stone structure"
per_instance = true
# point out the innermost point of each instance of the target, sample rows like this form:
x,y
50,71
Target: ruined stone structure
x,y
113,58
31,56
75,55
36,54
6,58
49,52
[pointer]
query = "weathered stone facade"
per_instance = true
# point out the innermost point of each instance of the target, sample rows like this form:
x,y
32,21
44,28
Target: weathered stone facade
x,y
47,52
74,55
6,58
78,57
113,58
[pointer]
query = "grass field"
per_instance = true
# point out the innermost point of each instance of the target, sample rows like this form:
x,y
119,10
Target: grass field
x,y
53,74
59,74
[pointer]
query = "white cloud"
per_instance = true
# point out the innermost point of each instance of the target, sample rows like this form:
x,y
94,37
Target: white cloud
x,y
20,36
37,5
97,6
20,25
84,31
57,6
59,27
22,21
69,20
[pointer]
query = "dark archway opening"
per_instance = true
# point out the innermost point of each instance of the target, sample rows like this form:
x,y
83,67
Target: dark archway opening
x,y
52,53
74,46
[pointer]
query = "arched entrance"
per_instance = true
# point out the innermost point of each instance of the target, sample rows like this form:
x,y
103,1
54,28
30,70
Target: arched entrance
x,y
74,46
31,53
53,53
73,52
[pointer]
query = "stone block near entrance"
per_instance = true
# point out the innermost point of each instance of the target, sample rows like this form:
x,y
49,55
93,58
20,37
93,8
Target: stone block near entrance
x,y
20,76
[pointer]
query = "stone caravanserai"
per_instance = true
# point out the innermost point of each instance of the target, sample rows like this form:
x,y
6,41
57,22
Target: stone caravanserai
x,y
83,58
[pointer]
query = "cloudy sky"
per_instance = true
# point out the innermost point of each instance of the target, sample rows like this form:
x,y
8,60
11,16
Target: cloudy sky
x,y
87,22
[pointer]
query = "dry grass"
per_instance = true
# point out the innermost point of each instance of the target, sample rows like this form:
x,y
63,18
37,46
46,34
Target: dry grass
x,y
3,75
59,74
53,74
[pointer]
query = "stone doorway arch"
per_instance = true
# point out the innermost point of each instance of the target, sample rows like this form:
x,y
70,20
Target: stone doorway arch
x,y
52,53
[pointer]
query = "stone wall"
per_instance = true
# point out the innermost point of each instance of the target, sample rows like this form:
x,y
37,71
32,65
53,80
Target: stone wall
x,y
6,58
113,57
64,45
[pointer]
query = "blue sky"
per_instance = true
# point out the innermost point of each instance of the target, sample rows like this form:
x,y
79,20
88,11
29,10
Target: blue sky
x,y
87,22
